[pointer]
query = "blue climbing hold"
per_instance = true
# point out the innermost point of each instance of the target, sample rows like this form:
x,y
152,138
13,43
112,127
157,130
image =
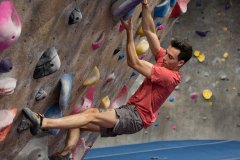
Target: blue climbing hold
x,y
172,3
66,90
53,111
121,56
133,74
158,24
171,99
162,9
202,33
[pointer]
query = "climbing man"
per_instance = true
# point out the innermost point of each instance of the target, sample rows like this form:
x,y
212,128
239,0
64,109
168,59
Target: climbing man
x,y
142,108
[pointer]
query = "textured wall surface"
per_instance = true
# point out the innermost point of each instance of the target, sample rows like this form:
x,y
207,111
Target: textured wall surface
x,y
45,24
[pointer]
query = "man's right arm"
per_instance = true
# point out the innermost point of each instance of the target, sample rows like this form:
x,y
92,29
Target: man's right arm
x,y
149,30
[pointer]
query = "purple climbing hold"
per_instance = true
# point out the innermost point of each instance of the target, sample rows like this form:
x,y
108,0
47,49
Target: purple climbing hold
x,y
202,33
5,65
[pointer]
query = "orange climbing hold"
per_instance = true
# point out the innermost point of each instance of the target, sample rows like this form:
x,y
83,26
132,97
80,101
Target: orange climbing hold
x,y
93,77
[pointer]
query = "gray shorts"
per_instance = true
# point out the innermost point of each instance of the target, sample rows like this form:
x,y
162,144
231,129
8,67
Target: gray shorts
x,y
129,122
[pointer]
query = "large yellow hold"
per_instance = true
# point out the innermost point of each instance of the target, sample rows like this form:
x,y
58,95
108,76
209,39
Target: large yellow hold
x,y
142,47
140,31
93,77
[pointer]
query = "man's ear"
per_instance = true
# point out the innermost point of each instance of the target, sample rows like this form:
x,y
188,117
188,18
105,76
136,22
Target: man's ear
x,y
181,63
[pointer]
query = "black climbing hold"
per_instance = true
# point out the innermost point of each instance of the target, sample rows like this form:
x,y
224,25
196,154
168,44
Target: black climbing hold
x,y
116,51
5,65
48,63
75,16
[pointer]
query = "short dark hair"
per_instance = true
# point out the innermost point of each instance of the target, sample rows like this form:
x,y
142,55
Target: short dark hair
x,y
186,50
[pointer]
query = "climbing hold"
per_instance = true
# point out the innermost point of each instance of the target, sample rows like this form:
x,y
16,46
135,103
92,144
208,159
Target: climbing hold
x,y
179,8
75,16
99,41
6,119
223,75
10,25
210,103
204,118
54,111
161,27
171,99
142,56
172,3
129,14
202,33
7,86
41,94
105,102
140,31
111,77
156,124
121,27
158,24
174,127
225,55
121,56
48,63
116,51
162,9
193,96
121,98
93,77
216,61
134,73
5,65
228,4
87,102
187,79
207,94
35,149
24,125
66,90
225,29
142,46
196,53
201,58
121,8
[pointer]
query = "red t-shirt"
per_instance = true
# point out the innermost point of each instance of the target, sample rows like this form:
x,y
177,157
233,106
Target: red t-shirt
x,y
155,90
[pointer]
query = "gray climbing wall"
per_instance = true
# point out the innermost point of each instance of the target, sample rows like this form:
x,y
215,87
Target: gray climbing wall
x,y
44,25
218,117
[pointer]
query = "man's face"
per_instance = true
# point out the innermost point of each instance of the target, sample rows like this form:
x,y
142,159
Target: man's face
x,y
170,60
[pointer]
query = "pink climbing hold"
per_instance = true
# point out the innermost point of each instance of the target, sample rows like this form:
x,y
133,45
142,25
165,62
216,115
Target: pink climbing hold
x,y
121,98
10,25
179,8
87,102
97,44
111,77
174,127
159,28
6,120
121,27
193,96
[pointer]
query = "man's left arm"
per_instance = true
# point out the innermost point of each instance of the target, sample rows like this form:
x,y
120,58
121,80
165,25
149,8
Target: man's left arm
x,y
133,61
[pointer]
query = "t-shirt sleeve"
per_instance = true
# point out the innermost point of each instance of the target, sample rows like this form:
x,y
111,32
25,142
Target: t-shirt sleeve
x,y
161,75
159,56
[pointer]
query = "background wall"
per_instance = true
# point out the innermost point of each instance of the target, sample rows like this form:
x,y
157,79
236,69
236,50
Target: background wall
x,y
45,24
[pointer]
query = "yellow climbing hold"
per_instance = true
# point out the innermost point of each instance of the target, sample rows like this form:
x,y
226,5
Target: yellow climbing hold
x,y
93,77
207,94
225,55
105,102
225,29
210,103
196,53
201,58
140,31
142,47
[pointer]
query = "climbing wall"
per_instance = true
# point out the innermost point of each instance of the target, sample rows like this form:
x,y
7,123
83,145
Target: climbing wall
x,y
213,29
75,50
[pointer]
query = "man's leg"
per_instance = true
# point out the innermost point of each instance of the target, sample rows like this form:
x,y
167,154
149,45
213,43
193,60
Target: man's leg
x,y
107,119
73,137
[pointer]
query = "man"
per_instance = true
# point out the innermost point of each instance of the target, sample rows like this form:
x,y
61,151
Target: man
x,y
142,108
